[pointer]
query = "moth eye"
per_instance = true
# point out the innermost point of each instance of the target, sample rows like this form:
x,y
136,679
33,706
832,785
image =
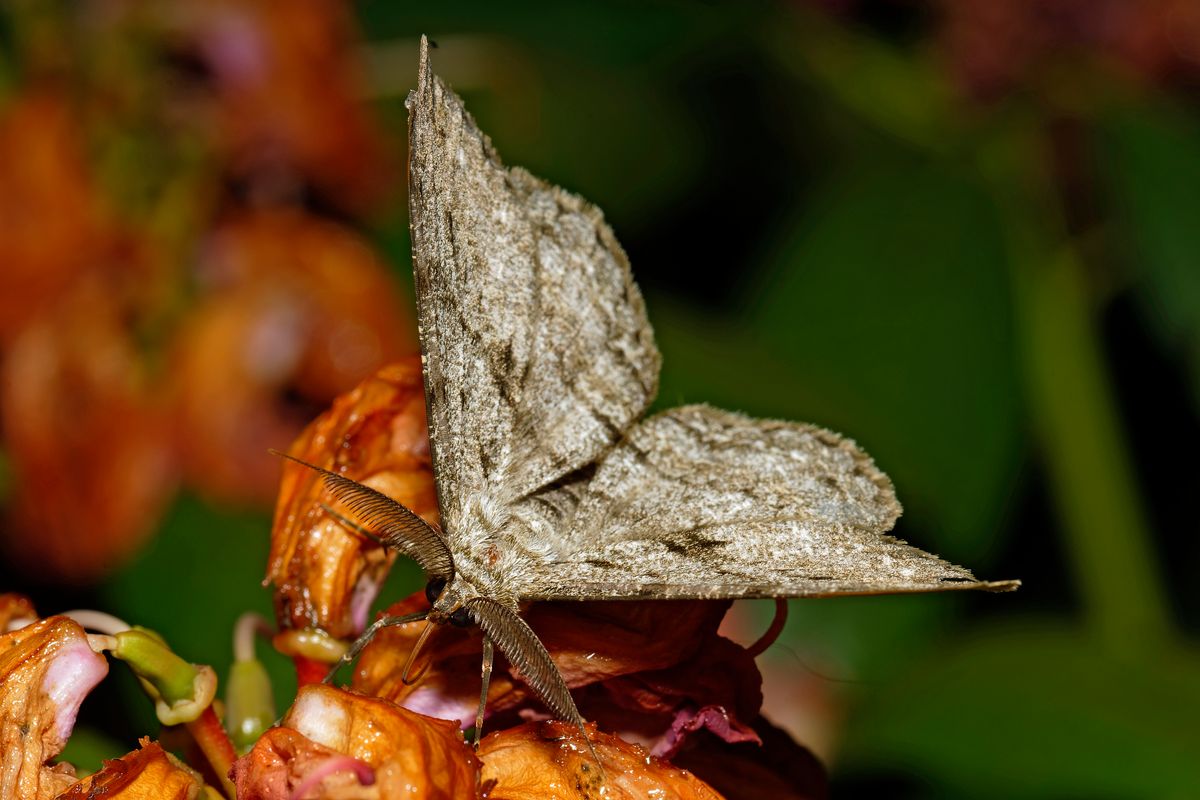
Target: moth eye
x,y
433,589
461,618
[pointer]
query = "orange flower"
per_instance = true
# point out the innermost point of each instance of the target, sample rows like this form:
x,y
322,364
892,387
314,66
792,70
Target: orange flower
x,y
149,773
46,669
338,744
296,311
543,760
325,575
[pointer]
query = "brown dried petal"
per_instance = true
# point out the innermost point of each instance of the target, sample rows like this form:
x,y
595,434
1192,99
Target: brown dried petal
x,y
88,438
297,310
325,575
541,760
719,690
590,642
778,768
411,756
46,669
149,773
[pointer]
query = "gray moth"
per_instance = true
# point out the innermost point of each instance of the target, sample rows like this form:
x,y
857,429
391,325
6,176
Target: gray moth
x,y
539,366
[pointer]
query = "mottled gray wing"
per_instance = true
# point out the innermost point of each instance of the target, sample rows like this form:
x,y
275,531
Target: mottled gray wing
x,y
537,352
702,503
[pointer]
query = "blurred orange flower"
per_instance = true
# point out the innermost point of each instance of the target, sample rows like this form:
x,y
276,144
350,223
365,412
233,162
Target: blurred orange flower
x,y
88,435
51,221
995,47
287,97
295,310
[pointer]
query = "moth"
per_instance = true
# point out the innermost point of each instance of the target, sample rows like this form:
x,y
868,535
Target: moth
x,y
539,365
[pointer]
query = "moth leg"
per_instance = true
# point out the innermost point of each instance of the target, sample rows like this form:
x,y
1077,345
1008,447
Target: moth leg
x,y
350,524
365,638
486,669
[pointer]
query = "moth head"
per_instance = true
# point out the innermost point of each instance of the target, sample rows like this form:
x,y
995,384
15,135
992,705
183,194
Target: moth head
x,y
448,603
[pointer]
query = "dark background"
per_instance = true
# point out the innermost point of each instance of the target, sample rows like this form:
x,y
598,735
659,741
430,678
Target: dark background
x,y
964,234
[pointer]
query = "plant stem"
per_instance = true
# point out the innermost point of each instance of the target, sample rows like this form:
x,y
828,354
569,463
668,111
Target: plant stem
x,y
1073,411
216,746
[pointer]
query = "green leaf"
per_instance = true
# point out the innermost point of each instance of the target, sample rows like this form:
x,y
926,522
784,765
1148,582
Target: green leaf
x,y
1149,158
1036,710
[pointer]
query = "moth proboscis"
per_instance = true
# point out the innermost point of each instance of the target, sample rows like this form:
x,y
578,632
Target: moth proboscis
x,y
539,365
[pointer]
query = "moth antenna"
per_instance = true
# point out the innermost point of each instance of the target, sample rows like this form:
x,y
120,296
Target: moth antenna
x,y
365,638
772,633
346,522
521,646
398,526
412,656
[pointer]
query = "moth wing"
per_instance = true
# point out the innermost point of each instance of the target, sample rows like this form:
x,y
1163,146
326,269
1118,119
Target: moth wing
x,y
702,503
538,355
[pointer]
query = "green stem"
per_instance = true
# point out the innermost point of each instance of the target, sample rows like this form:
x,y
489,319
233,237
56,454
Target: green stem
x,y
172,677
1073,410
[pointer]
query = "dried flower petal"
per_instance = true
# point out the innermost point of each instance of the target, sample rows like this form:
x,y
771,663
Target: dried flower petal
x,y
297,310
149,773
46,669
719,690
326,575
665,673
541,760
778,768
410,755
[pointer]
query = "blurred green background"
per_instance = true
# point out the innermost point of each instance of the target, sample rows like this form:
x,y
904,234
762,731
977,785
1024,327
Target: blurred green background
x,y
967,234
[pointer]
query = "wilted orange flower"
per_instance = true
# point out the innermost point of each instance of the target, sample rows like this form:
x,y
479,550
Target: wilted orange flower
x,y
325,575
339,744
996,46
46,669
653,673
88,437
288,98
51,226
148,773
296,310
591,642
544,760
